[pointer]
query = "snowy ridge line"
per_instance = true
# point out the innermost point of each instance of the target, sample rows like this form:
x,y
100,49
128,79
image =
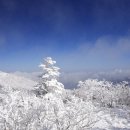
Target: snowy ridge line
x,y
13,81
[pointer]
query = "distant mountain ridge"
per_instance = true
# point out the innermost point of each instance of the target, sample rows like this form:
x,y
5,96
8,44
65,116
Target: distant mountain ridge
x,y
14,81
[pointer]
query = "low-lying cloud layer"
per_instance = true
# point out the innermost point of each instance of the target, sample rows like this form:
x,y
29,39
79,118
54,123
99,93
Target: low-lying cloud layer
x,y
71,79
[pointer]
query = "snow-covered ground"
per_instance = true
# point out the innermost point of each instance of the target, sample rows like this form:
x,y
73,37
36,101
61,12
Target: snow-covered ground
x,y
107,118
114,119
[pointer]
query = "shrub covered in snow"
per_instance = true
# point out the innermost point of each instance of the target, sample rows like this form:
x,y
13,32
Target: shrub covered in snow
x,y
104,92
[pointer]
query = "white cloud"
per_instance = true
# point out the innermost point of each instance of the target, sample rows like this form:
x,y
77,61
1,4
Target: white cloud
x,y
105,53
109,47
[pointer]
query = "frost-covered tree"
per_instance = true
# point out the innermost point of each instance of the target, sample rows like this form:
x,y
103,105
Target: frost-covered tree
x,y
49,79
106,93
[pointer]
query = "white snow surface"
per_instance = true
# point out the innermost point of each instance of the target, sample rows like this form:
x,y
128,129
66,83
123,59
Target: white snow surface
x,y
76,109
13,81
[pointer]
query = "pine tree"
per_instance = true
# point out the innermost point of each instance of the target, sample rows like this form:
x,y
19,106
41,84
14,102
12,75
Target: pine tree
x,y
49,78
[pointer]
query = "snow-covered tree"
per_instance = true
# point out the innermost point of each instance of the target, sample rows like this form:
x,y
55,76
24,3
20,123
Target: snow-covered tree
x,y
49,79
106,93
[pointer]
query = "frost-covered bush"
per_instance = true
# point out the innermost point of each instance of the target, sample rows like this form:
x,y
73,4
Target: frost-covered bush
x,y
104,92
22,110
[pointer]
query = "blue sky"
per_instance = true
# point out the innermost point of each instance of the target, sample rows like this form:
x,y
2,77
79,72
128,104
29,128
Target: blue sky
x,y
79,34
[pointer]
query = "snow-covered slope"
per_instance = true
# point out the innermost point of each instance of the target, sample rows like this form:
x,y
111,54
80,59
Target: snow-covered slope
x,y
11,80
